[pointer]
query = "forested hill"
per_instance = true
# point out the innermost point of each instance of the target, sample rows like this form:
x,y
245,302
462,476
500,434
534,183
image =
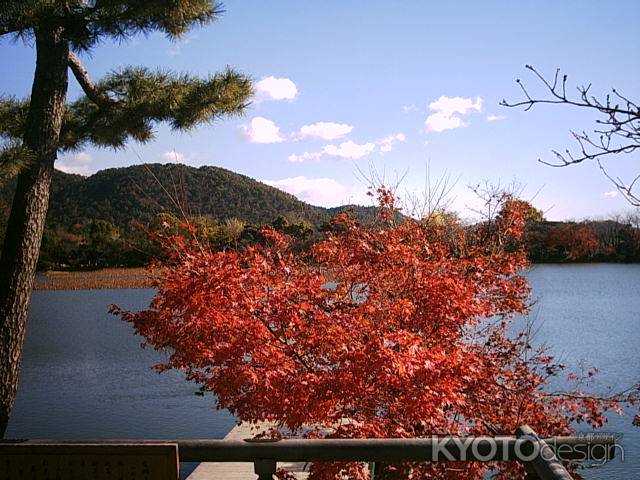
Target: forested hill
x,y
105,219
100,220
119,195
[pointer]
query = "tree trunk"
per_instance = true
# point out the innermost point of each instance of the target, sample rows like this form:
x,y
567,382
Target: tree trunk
x,y
29,209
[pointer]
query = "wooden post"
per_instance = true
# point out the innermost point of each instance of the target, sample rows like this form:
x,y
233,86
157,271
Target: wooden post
x,y
531,472
374,470
265,469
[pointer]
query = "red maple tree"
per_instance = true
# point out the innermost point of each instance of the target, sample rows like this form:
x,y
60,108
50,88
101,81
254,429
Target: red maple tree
x,y
399,329
576,242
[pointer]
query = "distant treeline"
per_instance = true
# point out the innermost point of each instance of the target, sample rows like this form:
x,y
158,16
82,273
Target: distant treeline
x,y
110,218
99,243
614,240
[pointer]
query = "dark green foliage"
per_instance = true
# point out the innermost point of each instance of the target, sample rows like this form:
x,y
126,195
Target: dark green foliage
x,y
362,213
13,114
139,192
14,157
135,201
93,244
87,22
300,229
142,98
137,99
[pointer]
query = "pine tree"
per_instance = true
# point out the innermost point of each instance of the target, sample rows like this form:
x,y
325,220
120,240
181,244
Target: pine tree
x,y
123,106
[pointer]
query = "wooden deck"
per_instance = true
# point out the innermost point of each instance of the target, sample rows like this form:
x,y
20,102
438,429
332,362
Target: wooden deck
x,y
240,471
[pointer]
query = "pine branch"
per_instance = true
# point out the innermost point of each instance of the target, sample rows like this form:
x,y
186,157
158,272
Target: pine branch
x,y
122,19
13,114
86,23
138,100
141,98
89,88
14,157
19,17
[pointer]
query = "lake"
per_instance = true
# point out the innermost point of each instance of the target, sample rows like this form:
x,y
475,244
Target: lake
x,y
85,376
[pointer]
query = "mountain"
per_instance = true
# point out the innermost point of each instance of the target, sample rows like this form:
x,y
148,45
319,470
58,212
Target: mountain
x,y
121,197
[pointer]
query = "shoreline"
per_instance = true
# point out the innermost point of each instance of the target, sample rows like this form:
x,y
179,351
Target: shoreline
x,y
106,278
113,278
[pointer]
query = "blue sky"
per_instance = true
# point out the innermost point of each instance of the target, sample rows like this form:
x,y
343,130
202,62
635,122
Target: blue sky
x,y
388,86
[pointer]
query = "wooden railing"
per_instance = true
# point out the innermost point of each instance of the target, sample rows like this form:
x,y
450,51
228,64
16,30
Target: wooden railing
x,y
542,457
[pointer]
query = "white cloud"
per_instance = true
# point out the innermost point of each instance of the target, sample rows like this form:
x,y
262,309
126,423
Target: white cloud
x,y
386,144
448,111
451,105
179,157
304,156
495,118
324,192
79,163
262,130
611,194
324,130
349,150
439,122
173,157
83,158
272,88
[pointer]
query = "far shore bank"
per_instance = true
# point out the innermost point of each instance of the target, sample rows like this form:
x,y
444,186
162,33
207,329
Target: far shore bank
x,y
94,279
107,278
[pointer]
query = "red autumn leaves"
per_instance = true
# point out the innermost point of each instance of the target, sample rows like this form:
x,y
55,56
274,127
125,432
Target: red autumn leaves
x,y
392,330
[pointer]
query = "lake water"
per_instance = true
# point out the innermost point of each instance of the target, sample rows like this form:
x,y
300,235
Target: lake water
x,y
84,375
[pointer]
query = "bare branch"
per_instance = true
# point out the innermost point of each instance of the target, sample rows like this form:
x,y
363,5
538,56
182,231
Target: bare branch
x,y
626,190
618,132
559,97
